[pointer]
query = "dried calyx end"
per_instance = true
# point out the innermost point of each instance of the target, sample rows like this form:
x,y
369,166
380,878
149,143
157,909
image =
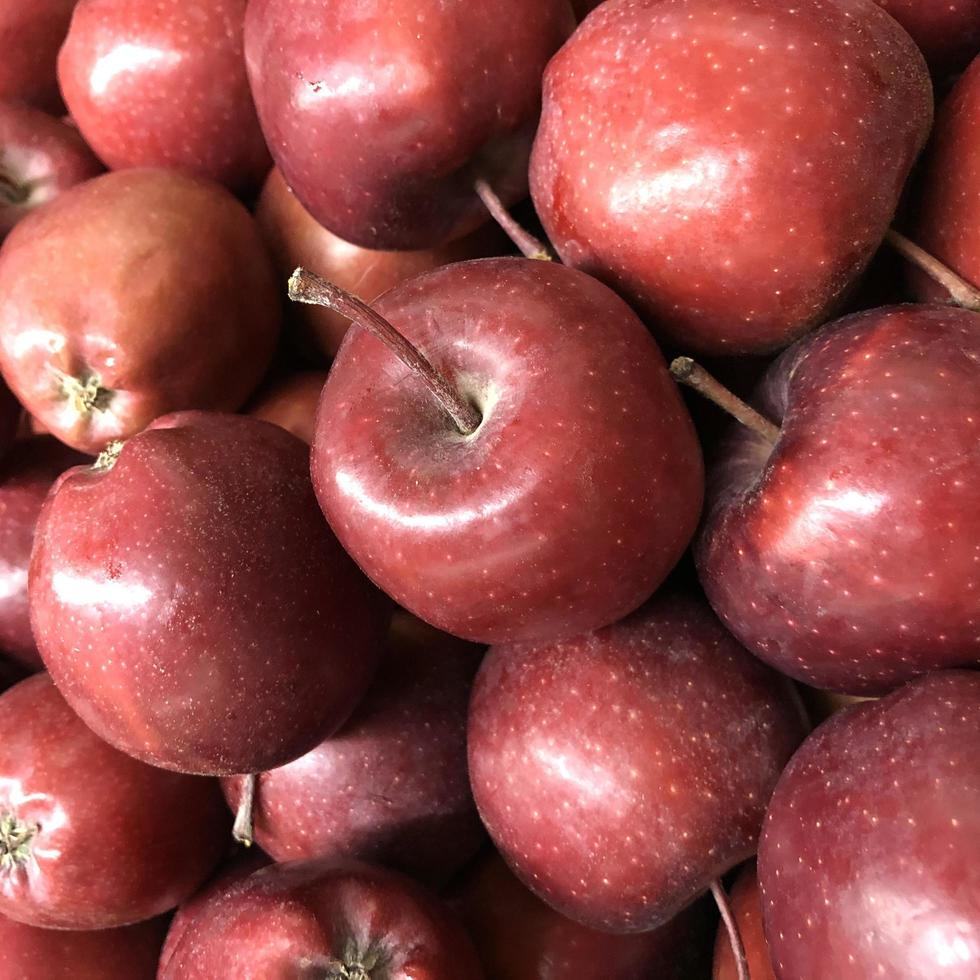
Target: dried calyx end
x,y
15,841
369,964
85,394
12,192
107,458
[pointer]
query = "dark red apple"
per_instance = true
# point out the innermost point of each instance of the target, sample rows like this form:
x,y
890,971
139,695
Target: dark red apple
x,y
747,907
392,785
869,862
729,166
946,31
295,238
163,84
568,503
620,773
845,553
126,953
382,115
89,837
31,31
518,937
322,919
191,603
132,295
25,479
40,157
291,403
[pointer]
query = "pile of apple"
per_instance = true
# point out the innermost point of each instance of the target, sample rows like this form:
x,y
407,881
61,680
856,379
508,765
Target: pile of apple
x,y
455,661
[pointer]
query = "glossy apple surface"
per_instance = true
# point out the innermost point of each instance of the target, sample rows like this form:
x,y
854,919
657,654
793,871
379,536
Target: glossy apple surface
x,y
846,554
40,157
126,953
947,33
392,785
746,906
26,477
622,771
163,84
568,505
30,34
89,837
138,293
729,166
291,403
868,858
191,603
518,937
296,238
381,116
323,919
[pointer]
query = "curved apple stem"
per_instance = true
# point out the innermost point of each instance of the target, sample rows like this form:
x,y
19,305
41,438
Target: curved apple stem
x,y
307,287
738,950
244,828
531,247
961,292
691,373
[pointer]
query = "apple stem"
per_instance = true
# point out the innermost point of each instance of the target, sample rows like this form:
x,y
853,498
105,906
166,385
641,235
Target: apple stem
x,y
244,829
961,292
738,950
306,287
691,373
531,247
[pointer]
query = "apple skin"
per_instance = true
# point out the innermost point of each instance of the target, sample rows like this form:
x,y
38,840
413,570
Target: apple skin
x,y
571,502
728,166
126,953
619,773
26,477
518,937
302,918
382,116
115,841
153,285
846,556
392,785
948,34
40,157
746,904
30,36
163,84
295,238
291,403
192,605
867,862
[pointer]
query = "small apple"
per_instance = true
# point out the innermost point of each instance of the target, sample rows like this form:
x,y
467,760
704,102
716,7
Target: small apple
x,y
291,403
747,908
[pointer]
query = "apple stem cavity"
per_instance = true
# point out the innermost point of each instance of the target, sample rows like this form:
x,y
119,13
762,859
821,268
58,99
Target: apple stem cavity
x,y
690,373
15,841
307,287
738,950
961,292
244,828
531,247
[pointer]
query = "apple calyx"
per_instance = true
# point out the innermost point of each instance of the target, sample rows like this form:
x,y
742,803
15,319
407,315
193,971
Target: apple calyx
x,y
371,964
307,287
15,841
690,373
12,192
531,247
243,829
107,458
961,292
86,394
731,927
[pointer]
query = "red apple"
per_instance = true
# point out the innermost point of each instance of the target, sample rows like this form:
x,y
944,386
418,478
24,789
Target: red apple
x,y
25,479
845,554
322,919
31,31
89,837
127,953
518,937
869,861
192,605
291,403
392,785
132,295
946,31
620,773
163,84
747,907
729,166
295,238
40,157
570,501
381,116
